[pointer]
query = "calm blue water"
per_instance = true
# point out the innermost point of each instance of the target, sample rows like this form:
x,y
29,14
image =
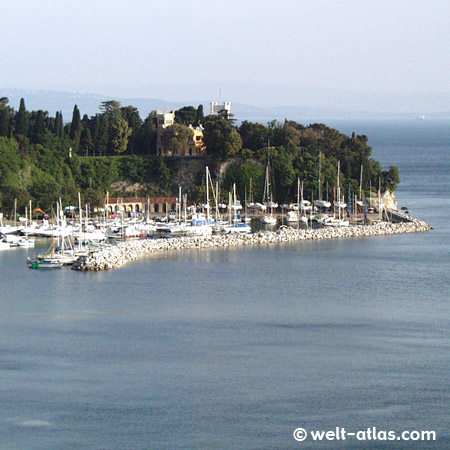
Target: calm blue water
x,y
234,349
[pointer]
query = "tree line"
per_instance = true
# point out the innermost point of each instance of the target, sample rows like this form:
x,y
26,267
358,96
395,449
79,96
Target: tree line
x,y
44,158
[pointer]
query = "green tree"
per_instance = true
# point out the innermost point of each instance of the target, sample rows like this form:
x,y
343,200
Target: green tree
x,y
120,134
176,137
145,143
254,135
390,178
221,138
199,117
5,115
186,115
75,128
86,143
245,174
22,120
101,139
131,115
10,162
111,107
57,124
38,127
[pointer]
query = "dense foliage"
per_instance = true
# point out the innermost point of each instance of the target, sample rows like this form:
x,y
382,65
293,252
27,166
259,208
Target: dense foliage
x,y
42,158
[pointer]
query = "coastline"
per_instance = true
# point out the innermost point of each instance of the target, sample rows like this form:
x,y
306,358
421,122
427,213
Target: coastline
x,y
127,251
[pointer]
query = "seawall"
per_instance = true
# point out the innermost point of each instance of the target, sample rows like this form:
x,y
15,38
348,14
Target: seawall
x,y
116,256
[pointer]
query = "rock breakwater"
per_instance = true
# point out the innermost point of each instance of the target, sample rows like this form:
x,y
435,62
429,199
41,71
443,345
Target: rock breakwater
x,y
116,256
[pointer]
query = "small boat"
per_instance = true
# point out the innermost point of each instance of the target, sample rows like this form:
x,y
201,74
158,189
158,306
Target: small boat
x,y
322,204
236,228
268,220
200,225
334,222
292,216
44,263
26,243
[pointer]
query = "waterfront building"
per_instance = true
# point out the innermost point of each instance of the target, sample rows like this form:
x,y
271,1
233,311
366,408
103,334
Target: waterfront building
x,y
140,204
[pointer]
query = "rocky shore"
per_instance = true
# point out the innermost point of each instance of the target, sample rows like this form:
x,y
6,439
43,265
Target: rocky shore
x,y
124,252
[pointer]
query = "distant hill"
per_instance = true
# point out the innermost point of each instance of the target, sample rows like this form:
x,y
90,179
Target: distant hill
x,y
88,103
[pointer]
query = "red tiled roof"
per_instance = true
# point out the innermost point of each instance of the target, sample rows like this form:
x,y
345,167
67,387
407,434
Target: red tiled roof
x,y
152,200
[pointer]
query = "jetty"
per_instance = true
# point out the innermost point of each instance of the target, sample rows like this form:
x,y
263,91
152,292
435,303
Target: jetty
x,y
116,256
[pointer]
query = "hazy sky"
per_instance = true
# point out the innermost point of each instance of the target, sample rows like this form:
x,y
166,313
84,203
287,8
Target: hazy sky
x,y
365,45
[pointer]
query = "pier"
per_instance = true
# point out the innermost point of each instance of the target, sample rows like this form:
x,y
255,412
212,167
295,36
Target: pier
x,y
126,251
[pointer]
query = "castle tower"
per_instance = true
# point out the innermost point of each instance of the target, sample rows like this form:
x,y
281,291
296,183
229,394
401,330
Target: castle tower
x,y
217,108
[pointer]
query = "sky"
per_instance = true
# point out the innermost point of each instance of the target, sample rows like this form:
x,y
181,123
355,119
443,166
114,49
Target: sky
x,y
285,48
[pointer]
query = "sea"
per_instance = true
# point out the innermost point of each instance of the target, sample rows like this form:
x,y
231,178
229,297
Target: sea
x,y
236,348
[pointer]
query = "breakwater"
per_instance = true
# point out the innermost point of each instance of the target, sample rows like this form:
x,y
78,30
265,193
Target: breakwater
x,y
116,256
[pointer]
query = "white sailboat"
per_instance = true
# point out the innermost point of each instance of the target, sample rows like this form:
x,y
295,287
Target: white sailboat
x,y
337,221
235,225
293,216
321,203
268,219
201,223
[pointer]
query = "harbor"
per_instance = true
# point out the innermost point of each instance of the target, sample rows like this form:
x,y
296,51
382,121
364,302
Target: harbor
x,y
90,244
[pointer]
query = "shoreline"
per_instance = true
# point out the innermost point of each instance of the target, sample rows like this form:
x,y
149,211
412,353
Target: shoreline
x,y
127,251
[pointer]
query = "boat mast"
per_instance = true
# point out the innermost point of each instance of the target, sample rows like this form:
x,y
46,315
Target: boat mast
x,y
207,196
81,220
234,203
179,204
360,183
245,201
217,201
320,170
339,191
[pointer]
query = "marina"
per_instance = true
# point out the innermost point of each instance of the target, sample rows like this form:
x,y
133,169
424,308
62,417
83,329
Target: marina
x,y
105,246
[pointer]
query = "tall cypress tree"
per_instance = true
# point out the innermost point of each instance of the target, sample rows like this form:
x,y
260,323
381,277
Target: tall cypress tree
x,y
61,126
22,119
75,129
38,127
75,126
200,118
56,128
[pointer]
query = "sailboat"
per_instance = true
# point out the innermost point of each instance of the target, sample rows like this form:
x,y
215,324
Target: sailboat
x,y
268,219
235,226
201,223
25,242
339,221
292,216
321,203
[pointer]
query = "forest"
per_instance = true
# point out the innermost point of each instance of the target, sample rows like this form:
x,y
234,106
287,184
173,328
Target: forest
x,y
44,158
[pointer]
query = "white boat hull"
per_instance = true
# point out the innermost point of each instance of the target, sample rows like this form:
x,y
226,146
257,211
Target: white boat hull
x,y
268,220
